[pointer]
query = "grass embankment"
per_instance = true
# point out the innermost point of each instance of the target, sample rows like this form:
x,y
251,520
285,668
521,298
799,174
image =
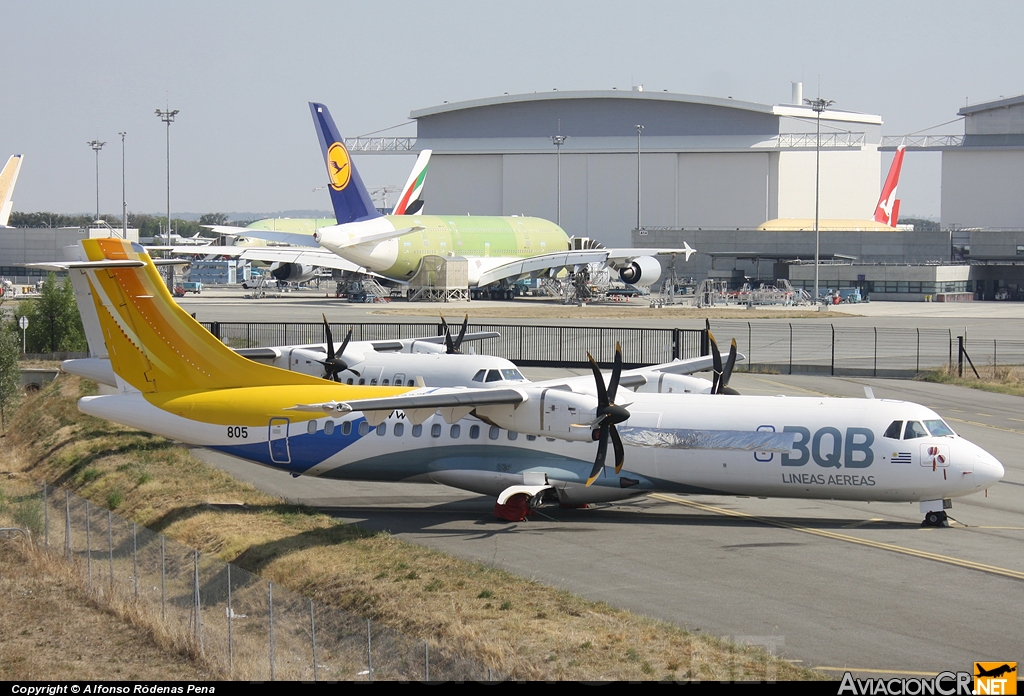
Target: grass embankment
x,y
514,626
52,628
1002,380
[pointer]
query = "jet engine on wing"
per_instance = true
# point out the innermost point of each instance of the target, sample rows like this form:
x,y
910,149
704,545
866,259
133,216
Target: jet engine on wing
x,y
643,270
293,272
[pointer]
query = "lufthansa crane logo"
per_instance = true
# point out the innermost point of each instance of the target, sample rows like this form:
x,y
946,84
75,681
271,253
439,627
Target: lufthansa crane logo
x,y
339,166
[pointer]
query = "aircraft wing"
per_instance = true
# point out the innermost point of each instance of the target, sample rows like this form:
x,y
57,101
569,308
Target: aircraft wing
x,y
638,376
618,257
542,262
301,239
306,255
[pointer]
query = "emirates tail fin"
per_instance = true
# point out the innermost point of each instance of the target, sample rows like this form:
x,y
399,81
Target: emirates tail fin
x,y
887,209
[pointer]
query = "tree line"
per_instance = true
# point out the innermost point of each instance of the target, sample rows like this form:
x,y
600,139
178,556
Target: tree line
x,y
148,225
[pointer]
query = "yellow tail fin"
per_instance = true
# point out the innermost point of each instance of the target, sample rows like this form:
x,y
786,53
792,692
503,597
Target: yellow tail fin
x,y
154,344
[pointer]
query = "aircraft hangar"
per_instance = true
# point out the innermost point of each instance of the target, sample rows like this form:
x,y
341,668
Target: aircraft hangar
x,y
704,161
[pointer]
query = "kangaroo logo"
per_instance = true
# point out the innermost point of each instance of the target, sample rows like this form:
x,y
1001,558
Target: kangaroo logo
x,y
339,166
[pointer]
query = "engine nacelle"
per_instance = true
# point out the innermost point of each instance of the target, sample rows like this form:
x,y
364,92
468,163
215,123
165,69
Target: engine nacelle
x,y
292,272
643,270
662,383
547,412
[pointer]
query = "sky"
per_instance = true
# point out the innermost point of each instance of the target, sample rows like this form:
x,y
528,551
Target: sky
x,y
241,75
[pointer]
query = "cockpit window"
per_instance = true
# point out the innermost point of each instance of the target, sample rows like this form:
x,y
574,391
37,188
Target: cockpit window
x,y
513,375
479,376
914,430
894,430
493,376
938,428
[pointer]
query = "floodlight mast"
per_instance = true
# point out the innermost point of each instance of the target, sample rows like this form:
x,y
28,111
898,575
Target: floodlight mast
x,y
639,130
817,105
124,203
559,140
96,146
167,116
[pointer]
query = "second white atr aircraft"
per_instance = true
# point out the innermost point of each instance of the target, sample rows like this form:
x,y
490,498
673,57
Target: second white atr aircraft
x,y
523,444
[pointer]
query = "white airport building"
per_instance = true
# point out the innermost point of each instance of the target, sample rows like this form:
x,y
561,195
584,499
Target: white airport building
x,y
704,161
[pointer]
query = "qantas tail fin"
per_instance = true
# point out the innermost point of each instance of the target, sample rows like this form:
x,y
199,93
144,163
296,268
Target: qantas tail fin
x,y
154,345
888,207
351,200
8,177
411,201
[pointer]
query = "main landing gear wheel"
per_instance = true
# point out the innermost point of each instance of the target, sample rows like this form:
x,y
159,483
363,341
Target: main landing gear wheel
x,y
515,509
935,519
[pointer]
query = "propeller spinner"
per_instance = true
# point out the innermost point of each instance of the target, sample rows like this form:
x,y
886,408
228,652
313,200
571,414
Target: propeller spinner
x,y
335,364
608,416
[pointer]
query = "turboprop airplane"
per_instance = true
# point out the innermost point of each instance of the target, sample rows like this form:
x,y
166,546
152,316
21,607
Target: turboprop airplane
x,y
436,361
524,444
8,178
500,250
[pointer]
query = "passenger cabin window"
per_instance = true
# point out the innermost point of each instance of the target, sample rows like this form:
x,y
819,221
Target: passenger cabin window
x,y
894,430
385,382
479,376
512,435
346,428
382,429
348,381
914,430
311,427
364,428
399,429
474,432
494,432
328,427
417,430
455,431
435,430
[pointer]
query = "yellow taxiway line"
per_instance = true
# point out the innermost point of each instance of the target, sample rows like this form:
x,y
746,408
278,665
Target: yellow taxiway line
x,y
906,551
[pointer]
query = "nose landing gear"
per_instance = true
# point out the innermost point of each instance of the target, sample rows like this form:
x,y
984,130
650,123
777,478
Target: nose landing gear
x,y
936,519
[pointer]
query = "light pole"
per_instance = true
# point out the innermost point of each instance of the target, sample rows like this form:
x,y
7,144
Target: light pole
x,y
639,130
124,204
559,140
167,116
818,105
97,145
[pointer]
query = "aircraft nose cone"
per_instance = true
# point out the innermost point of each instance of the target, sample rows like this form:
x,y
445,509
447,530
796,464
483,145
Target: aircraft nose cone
x,y
987,470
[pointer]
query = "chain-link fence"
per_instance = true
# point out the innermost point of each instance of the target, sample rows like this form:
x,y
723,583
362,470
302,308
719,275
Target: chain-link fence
x,y
785,347
236,622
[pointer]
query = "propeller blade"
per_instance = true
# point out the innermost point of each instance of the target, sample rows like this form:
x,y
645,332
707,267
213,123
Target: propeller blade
x,y
448,345
613,384
620,453
723,386
329,338
462,334
716,357
602,393
602,454
344,344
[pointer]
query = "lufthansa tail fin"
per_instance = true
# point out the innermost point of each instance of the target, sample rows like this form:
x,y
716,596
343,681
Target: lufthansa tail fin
x,y
8,177
888,207
154,345
352,202
411,201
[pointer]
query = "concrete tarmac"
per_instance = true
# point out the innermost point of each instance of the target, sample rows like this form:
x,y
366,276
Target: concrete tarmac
x,y
831,585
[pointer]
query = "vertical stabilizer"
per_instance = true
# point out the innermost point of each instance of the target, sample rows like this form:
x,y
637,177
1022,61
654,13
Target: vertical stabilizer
x,y
411,201
351,200
155,345
8,177
884,211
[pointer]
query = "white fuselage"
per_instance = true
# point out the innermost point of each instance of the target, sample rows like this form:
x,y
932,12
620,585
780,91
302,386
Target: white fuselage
x,y
840,450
